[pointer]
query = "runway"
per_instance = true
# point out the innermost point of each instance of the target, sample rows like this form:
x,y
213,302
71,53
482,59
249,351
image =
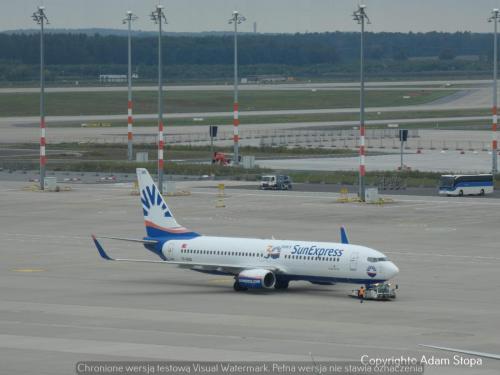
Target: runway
x,y
382,85
60,303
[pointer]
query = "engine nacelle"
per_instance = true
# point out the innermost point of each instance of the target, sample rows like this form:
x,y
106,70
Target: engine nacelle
x,y
256,279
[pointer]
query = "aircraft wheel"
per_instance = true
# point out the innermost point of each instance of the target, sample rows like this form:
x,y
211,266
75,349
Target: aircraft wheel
x,y
237,287
281,284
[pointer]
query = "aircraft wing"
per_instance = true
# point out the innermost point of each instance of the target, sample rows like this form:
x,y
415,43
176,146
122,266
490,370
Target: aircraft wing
x,y
229,268
470,352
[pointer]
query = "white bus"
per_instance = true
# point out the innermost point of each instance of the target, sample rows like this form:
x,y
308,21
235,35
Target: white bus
x,y
460,185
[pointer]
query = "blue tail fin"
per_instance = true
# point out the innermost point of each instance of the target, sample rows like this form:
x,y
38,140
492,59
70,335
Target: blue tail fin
x,y
160,223
343,236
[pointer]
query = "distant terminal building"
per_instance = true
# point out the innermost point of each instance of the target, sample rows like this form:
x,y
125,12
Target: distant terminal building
x,y
115,78
267,78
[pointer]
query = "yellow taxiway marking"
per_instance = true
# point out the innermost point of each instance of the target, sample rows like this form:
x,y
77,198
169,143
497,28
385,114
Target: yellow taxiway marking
x,y
28,270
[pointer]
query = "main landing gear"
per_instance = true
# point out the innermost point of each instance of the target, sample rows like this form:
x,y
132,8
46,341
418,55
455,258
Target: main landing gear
x,y
238,288
281,284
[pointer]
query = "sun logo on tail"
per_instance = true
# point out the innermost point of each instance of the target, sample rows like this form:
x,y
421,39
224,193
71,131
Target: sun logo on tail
x,y
152,200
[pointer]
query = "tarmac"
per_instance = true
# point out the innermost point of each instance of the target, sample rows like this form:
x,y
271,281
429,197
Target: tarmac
x,y
61,303
429,161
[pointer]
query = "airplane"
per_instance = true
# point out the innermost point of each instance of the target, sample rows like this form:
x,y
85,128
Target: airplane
x,y
254,263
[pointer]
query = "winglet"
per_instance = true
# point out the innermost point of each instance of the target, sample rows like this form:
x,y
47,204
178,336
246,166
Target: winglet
x,y
101,251
343,236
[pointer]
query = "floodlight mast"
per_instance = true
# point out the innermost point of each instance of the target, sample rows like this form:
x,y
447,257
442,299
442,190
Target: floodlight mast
x,y
130,17
41,19
495,18
236,19
361,18
159,18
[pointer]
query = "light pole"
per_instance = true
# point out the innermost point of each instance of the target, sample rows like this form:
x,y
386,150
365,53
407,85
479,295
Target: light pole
x,y
158,16
40,18
128,20
361,17
495,17
236,19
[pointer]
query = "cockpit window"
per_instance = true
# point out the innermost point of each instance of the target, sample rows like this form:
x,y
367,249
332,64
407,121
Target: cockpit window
x,y
375,260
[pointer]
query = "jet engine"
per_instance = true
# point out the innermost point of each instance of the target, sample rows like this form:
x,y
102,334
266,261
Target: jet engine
x,y
256,278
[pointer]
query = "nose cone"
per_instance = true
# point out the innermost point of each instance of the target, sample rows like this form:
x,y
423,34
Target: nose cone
x,y
391,270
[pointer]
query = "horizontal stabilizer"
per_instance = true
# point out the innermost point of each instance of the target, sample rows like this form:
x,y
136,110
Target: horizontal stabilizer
x,y
105,256
151,242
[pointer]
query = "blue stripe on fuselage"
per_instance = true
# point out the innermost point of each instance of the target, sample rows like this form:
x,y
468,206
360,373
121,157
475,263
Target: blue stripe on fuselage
x,y
328,279
318,279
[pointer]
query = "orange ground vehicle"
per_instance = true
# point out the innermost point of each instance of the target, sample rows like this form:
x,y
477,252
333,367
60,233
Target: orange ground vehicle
x,y
220,158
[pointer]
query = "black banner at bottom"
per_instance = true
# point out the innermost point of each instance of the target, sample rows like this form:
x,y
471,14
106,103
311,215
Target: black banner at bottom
x,y
245,368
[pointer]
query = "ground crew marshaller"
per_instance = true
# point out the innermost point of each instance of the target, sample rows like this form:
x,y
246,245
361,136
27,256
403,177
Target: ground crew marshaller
x,y
361,294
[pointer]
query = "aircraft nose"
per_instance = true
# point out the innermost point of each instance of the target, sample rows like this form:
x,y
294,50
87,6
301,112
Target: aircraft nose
x,y
391,270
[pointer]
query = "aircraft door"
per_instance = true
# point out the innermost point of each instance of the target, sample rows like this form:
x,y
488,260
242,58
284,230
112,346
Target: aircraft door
x,y
353,264
170,251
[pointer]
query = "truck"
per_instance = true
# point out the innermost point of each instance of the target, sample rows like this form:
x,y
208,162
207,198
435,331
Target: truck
x,y
378,292
275,182
221,158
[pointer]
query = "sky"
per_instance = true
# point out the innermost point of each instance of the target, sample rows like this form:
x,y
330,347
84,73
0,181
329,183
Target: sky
x,y
283,16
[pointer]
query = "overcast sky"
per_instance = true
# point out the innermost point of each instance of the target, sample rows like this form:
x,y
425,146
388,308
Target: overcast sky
x,y
270,15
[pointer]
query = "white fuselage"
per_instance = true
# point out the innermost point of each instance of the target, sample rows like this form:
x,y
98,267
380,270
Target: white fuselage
x,y
296,260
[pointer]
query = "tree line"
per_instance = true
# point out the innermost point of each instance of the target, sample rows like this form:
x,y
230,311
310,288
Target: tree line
x,y
288,49
83,55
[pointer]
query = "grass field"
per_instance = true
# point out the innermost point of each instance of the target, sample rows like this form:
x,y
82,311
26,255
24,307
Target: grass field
x,y
74,152
193,161
100,103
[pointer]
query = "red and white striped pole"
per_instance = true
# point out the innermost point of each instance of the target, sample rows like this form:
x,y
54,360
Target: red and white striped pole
x,y
130,152
161,145
41,19
362,155
361,17
494,142
236,136
236,19
43,157
159,17
494,146
130,134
